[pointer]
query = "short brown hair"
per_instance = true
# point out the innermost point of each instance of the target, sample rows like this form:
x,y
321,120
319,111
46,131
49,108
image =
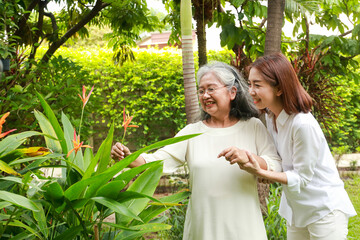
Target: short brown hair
x,y
278,72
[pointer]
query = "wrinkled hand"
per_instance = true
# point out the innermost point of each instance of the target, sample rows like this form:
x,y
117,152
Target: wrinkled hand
x,y
119,151
234,155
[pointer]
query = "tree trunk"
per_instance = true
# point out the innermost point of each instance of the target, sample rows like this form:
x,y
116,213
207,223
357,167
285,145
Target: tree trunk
x,y
201,37
275,21
191,99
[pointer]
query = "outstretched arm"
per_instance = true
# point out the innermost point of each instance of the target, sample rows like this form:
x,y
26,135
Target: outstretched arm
x,y
120,151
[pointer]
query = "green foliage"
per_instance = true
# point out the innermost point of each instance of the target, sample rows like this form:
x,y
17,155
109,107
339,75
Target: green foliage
x,y
75,205
8,13
275,225
352,188
176,218
151,89
60,82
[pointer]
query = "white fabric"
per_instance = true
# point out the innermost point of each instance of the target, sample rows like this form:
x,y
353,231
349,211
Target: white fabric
x,y
314,187
333,226
224,203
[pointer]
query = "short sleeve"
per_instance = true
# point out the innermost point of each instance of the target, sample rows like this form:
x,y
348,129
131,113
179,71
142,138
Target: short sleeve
x,y
173,155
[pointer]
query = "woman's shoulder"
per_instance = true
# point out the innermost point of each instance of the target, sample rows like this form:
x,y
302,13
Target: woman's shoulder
x,y
191,128
302,121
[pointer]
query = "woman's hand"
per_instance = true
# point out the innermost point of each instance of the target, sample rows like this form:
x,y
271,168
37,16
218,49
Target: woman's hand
x,y
234,155
252,166
119,151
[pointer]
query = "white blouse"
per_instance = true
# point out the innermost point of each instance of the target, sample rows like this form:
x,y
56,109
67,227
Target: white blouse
x,y
224,201
314,187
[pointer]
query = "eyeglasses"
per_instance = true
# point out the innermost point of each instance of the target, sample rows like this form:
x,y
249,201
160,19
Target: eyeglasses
x,y
210,90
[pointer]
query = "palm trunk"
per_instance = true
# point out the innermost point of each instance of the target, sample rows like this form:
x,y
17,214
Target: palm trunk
x,y
191,99
275,21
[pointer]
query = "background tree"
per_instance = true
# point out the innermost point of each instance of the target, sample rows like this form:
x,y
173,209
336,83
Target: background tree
x,y
191,98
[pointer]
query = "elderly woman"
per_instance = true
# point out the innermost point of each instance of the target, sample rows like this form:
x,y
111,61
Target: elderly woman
x,y
224,201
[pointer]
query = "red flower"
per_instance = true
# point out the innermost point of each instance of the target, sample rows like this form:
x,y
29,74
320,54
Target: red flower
x,y
127,120
2,121
85,98
77,144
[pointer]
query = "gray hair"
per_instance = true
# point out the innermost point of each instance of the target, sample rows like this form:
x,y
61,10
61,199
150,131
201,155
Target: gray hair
x,y
242,107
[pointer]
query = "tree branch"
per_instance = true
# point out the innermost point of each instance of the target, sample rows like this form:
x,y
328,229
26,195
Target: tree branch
x,y
55,45
22,22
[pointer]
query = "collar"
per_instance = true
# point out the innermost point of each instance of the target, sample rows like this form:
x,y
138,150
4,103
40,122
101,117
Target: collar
x,y
282,118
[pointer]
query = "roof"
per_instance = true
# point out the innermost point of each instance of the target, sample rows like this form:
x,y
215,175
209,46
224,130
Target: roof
x,y
160,40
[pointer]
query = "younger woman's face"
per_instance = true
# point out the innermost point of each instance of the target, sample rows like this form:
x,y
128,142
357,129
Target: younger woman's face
x,y
263,94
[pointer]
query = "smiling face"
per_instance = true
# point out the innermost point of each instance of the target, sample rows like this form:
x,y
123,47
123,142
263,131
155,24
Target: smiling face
x,y
217,104
263,94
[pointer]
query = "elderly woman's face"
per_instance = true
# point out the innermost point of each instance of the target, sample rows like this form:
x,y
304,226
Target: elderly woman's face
x,y
215,98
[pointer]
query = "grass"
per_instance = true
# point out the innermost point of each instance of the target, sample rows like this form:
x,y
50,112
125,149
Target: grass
x,y
352,186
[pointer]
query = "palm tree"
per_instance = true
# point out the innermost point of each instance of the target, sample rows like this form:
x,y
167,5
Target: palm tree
x,y
275,12
191,99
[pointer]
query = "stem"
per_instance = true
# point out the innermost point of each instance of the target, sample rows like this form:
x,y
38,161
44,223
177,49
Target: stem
x,y
123,138
8,221
82,114
80,219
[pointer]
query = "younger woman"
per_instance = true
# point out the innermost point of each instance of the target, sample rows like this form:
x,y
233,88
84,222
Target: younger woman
x,y
314,201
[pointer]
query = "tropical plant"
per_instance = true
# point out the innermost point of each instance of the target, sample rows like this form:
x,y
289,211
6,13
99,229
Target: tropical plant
x,y
275,225
77,203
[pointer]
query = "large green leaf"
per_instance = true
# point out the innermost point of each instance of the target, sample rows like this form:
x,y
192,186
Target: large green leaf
x,y
77,159
70,233
94,183
54,122
41,221
128,175
116,207
6,168
18,200
16,223
13,141
48,129
105,152
31,159
146,183
111,189
54,193
154,210
142,229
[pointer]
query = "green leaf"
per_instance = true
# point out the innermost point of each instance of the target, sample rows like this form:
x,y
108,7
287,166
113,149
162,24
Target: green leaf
x,y
54,193
41,221
142,229
70,233
154,210
146,183
16,223
105,152
48,129
116,207
13,141
94,183
54,122
18,200
6,168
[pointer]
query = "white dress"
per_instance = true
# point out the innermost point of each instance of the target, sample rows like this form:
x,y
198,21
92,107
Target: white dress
x,y
224,203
